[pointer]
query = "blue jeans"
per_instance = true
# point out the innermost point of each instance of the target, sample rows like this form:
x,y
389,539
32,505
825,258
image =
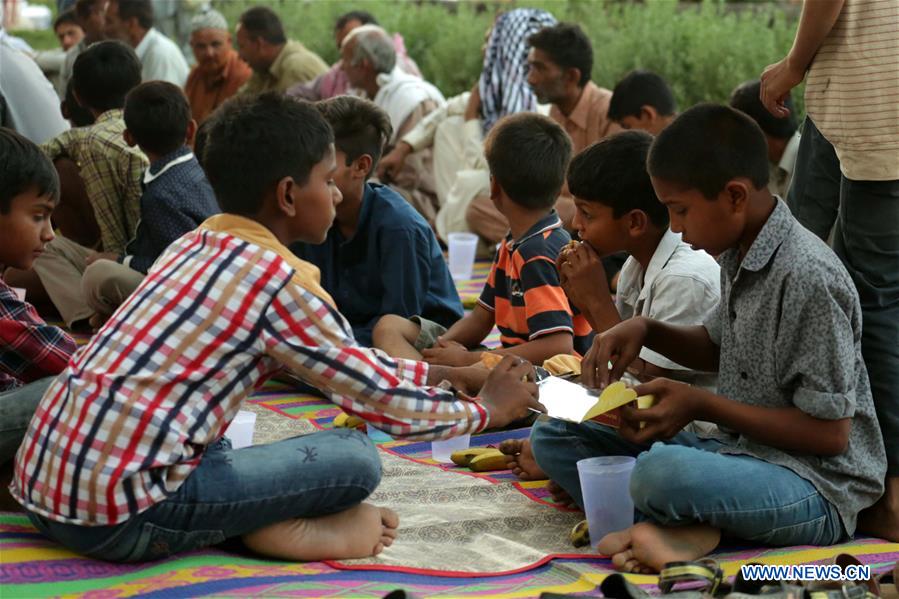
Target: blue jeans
x,y
236,491
866,239
16,409
685,480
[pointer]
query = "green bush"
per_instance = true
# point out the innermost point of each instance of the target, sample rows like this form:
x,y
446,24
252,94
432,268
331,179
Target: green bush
x,y
703,49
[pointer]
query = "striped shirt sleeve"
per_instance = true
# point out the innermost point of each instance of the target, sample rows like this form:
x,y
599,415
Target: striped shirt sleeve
x,y
315,343
545,303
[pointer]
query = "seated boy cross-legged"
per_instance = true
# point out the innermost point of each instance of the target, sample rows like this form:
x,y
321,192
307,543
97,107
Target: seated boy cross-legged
x,y
125,458
381,256
176,196
663,278
527,155
804,453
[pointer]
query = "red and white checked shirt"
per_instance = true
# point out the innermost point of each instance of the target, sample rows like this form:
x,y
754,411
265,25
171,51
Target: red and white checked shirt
x,y
224,308
30,349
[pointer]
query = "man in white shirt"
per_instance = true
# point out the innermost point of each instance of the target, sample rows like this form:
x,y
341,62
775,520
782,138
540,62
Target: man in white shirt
x,y
132,22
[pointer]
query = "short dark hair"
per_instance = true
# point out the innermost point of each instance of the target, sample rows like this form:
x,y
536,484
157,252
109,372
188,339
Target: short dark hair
x,y
613,172
746,98
201,137
104,74
83,7
360,127
261,21
638,89
568,46
707,146
157,115
66,16
75,112
23,166
363,16
256,141
528,154
140,9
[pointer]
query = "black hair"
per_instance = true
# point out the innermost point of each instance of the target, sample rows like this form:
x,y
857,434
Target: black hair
x,y
77,114
140,9
24,166
527,154
83,8
261,21
157,115
256,141
201,137
363,16
66,16
360,127
746,98
638,89
568,46
613,172
707,146
104,74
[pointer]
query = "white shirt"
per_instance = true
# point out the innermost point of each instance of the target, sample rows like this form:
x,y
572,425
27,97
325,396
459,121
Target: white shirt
x,y
31,103
781,174
161,59
399,93
681,286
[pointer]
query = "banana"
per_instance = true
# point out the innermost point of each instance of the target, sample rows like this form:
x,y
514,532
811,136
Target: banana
x,y
344,420
464,456
580,534
489,461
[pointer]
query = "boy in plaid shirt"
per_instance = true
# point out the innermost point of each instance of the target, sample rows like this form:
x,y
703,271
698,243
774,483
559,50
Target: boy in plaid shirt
x,y
125,459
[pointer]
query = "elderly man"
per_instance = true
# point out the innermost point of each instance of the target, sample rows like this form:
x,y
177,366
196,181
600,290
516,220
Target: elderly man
x,y
219,72
91,16
369,60
132,22
278,64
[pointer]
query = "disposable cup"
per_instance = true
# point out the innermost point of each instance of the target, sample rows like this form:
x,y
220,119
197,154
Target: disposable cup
x,y
376,434
442,450
605,485
20,293
240,431
462,248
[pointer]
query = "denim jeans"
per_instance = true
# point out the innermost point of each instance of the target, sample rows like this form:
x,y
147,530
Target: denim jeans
x,y
866,239
16,409
685,480
236,491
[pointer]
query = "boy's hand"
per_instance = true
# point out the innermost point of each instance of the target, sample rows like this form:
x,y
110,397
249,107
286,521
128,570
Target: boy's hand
x,y
467,379
676,405
582,275
391,164
505,394
621,345
776,82
452,354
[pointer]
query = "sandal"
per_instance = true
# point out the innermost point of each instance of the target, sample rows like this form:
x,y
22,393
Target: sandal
x,y
705,570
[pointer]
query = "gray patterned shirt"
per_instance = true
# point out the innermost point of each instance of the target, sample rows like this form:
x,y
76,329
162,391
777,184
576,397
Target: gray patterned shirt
x,y
789,329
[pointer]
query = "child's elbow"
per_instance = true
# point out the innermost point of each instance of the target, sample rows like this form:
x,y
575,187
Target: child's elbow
x,y
836,442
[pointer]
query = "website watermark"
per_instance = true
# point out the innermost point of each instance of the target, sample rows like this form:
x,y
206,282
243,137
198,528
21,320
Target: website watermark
x,y
833,572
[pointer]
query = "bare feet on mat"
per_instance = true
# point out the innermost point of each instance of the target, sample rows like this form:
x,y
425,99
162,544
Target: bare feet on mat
x,y
647,547
520,459
361,531
559,494
882,519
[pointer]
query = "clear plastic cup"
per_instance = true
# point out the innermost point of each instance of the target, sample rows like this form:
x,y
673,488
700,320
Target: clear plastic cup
x,y
376,434
462,249
20,293
442,450
240,431
605,485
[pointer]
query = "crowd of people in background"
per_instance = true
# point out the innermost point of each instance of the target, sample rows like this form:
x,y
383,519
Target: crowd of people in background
x,y
263,210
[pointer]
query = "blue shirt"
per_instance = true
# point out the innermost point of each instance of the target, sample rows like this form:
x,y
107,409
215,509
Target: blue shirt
x,y
391,265
176,198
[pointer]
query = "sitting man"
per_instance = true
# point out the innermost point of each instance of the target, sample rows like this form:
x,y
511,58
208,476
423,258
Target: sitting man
x,y
219,72
132,22
278,63
380,256
642,100
369,60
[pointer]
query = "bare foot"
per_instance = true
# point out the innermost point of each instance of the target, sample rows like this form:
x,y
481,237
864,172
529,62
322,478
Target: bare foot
x,y
520,459
647,547
559,494
360,531
882,519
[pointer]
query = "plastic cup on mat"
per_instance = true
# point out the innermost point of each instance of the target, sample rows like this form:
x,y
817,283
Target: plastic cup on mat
x,y
462,249
605,485
376,434
442,450
240,431
20,293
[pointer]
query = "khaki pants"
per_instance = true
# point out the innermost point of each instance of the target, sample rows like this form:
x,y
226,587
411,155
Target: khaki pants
x,y
60,268
107,284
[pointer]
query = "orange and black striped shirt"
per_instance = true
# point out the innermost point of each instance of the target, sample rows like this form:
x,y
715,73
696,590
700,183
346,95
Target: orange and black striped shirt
x,y
523,289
